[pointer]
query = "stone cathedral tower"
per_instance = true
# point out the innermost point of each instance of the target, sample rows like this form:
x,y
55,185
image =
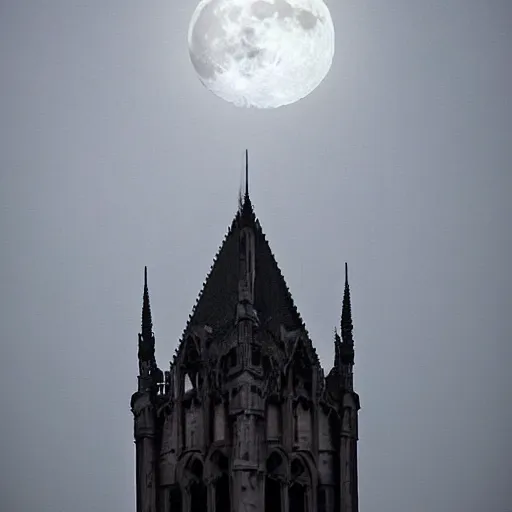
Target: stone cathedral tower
x,y
244,420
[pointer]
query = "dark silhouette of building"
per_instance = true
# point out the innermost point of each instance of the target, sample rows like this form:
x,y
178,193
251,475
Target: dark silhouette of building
x,y
245,420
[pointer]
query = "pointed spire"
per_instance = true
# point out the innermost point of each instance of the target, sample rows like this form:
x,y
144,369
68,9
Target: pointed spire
x,y
346,313
244,201
146,354
246,209
147,323
246,175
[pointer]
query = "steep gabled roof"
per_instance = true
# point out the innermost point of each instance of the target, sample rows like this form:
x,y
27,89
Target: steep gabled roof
x,y
217,301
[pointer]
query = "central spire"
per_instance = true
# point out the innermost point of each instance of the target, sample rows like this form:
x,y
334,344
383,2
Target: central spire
x,y
244,201
246,175
246,205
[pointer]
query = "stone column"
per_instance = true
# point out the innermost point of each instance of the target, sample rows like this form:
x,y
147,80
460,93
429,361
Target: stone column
x,y
146,484
247,494
210,496
348,458
284,496
345,475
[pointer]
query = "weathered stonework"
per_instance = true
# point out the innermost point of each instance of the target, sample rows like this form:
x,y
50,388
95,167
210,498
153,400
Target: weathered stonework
x,y
245,420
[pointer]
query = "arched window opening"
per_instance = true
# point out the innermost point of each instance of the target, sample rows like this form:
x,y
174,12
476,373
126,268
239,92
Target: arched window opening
x,y
297,492
219,472
272,495
276,474
197,488
297,498
222,496
198,497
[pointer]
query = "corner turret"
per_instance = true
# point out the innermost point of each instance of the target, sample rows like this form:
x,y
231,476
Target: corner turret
x,y
346,346
150,376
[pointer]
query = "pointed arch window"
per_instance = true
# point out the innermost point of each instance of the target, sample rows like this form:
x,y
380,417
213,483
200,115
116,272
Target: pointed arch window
x,y
219,476
272,495
275,483
197,489
298,490
222,494
297,497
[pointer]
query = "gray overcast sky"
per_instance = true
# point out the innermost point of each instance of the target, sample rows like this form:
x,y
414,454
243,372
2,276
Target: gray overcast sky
x,y
113,156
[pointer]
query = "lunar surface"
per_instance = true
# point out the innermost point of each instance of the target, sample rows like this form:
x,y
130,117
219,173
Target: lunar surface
x,y
261,53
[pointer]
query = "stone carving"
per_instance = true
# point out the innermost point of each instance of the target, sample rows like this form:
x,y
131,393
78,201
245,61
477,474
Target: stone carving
x,y
248,496
245,436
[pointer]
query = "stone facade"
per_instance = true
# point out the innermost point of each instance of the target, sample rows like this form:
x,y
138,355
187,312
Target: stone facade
x,y
244,420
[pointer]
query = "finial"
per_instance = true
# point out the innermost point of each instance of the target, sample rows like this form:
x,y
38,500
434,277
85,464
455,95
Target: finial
x,y
245,206
346,273
246,174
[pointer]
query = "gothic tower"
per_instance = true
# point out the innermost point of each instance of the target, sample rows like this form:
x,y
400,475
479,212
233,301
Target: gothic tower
x,y
244,420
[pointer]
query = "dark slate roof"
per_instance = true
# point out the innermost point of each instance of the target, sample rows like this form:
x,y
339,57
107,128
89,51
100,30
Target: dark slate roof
x,y
216,303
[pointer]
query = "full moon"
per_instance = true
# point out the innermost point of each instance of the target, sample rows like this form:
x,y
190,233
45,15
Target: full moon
x,y
261,53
